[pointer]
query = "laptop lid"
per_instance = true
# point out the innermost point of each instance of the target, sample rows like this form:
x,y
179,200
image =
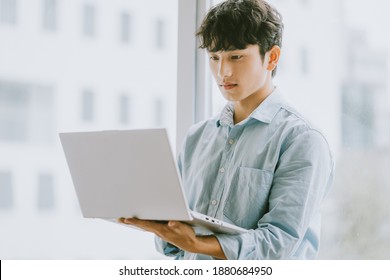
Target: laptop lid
x,y
125,173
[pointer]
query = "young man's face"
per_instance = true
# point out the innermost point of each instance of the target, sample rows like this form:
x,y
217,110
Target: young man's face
x,y
241,73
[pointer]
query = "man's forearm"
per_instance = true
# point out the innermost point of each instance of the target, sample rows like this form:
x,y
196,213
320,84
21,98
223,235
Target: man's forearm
x,y
209,245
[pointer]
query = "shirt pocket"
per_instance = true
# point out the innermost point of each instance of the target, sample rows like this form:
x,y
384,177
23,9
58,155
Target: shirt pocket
x,y
247,200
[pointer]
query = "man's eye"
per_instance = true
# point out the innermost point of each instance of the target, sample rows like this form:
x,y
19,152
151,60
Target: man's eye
x,y
213,58
236,56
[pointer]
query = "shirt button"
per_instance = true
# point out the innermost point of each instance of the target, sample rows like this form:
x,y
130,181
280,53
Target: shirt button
x,y
222,170
214,202
231,141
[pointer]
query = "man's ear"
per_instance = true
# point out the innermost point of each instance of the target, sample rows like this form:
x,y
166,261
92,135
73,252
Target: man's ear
x,y
273,56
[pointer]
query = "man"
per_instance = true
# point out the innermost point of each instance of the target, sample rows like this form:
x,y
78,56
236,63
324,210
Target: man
x,y
259,165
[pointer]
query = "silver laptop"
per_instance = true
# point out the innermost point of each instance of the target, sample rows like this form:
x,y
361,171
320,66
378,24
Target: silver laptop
x,y
131,173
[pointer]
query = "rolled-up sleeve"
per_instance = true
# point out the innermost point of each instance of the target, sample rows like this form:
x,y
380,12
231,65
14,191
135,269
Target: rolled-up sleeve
x,y
167,249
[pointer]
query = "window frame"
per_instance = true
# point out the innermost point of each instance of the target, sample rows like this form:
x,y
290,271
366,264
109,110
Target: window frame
x,y
193,86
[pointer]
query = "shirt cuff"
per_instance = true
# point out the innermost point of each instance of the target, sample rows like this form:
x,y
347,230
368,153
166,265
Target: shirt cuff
x,y
167,248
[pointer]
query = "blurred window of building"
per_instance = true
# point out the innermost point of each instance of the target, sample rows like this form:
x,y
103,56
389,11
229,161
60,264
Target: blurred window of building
x,y
46,195
88,105
8,11
125,27
23,108
305,62
89,20
160,34
358,117
13,112
124,109
50,14
6,190
159,111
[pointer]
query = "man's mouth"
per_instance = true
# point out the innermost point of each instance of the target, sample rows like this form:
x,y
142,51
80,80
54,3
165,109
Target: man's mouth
x,y
228,86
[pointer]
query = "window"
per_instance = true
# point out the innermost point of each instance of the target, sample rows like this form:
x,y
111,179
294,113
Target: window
x,y
160,34
159,112
8,11
50,14
23,107
124,109
46,199
358,116
6,191
304,61
13,112
88,105
125,27
89,21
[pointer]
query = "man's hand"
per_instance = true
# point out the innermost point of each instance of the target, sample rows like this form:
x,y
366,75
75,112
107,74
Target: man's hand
x,y
181,235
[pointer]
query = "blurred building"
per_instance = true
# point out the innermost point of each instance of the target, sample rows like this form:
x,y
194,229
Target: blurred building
x,y
365,96
67,66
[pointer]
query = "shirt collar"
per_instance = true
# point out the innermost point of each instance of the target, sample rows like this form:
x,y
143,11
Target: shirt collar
x,y
265,112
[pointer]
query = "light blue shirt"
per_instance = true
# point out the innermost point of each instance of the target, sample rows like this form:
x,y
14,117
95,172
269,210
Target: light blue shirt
x,y
269,173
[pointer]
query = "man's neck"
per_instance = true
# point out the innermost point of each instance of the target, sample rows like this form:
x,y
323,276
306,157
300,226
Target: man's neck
x,y
243,108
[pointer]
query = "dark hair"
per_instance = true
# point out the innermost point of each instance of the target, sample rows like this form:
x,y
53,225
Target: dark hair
x,y
234,24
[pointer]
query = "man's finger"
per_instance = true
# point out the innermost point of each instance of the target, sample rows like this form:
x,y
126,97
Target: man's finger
x,y
151,226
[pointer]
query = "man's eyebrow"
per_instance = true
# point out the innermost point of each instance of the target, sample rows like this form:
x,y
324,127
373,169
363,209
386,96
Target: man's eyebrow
x,y
230,51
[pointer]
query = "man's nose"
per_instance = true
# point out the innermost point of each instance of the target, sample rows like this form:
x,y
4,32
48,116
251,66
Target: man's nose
x,y
224,69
